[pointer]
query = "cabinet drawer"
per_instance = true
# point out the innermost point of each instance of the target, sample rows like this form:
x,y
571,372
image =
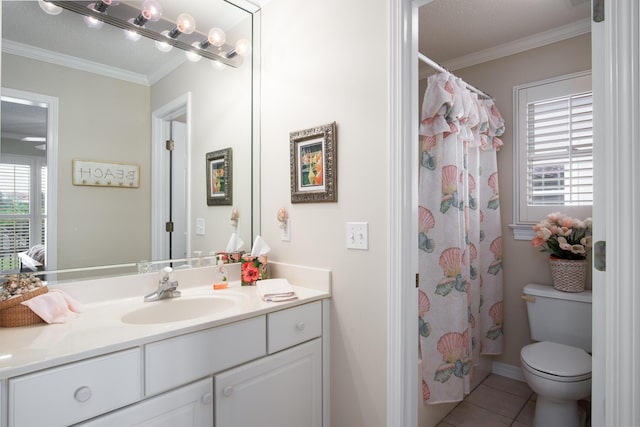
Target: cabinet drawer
x,y
176,361
188,406
290,327
65,395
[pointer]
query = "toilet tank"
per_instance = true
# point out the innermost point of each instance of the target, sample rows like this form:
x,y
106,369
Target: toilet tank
x,y
561,317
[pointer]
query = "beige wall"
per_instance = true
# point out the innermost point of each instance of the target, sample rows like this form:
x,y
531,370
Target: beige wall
x,y
221,118
323,62
522,263
99,119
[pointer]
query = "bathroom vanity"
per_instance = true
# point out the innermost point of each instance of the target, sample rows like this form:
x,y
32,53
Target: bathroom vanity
x,y
218,358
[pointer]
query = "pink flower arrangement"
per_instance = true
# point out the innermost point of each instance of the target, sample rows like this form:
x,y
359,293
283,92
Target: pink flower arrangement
x,y
563,237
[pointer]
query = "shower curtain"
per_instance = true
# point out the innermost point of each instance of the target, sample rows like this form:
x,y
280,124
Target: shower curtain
x,y
460,243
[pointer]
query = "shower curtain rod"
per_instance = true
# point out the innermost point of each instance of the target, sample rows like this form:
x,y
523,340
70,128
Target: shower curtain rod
x,y
433,64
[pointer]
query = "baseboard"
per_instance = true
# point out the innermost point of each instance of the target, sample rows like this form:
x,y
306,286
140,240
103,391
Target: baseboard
x,y
509,371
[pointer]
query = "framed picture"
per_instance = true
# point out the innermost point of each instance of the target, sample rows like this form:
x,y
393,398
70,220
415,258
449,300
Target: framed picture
x,y
219,178
314,165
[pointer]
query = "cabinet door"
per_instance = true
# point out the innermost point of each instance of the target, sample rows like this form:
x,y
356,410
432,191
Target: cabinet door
x,y
189,406
283,390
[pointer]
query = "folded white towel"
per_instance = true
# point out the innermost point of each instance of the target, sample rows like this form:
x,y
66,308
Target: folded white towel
x,y
275,290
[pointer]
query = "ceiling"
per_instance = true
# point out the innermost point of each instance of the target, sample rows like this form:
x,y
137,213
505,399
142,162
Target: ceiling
x,y
453,29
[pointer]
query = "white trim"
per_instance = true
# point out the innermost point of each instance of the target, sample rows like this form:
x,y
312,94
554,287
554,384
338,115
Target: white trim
x,y
564,32
402,306
52,167
159,172
616,374
509,371
522,231
39,54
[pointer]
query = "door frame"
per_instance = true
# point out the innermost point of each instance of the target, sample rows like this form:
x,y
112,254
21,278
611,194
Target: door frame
x,y
52,168
615,59
159,171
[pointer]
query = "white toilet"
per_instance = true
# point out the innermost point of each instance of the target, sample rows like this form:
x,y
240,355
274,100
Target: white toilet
x,y
558,366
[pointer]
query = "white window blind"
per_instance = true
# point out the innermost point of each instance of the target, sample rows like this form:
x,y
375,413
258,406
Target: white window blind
x,y
15,196
23,219
554,153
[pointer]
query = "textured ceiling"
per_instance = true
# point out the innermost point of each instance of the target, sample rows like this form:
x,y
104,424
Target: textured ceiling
x,y
450,29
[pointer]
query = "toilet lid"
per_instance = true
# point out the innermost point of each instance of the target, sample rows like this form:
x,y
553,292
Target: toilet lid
x,y
557,359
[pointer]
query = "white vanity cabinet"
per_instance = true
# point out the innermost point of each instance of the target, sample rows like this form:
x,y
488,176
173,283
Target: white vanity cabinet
x,y
188,406
284,390
77,391
262,370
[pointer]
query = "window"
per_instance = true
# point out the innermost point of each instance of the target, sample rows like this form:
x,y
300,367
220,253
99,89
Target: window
x,y
22,207
554,158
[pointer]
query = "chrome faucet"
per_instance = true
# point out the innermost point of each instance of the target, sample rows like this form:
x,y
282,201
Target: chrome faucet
x,y
166,287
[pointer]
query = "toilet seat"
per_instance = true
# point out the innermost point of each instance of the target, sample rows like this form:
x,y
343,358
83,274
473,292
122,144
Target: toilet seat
x,y
557,362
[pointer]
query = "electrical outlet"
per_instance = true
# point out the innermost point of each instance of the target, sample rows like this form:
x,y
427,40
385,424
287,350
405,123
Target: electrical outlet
x,y
357,235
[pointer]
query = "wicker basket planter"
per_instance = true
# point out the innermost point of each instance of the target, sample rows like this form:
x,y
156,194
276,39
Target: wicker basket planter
x,y
13,313
569,275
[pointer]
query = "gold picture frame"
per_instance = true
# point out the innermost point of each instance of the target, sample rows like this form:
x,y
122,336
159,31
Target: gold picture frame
x,y
219,178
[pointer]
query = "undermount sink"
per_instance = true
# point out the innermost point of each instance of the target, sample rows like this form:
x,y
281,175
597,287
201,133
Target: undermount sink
x,y
177,309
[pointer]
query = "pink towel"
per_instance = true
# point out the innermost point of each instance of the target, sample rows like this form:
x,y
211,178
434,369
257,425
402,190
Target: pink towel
x,y
54,306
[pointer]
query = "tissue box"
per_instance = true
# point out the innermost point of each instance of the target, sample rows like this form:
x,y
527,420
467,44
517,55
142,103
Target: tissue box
x,y
230,257
252,269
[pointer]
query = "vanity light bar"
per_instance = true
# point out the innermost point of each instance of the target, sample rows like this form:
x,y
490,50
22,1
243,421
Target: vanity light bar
x,y
119,16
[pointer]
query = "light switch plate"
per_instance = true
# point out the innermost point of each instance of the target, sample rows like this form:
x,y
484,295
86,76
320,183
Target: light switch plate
x,y
200,226
358,235
284,231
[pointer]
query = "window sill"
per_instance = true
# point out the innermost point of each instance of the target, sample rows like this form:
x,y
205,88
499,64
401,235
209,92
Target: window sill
x,y
522,231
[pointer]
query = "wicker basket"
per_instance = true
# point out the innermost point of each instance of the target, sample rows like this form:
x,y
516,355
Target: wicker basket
x,y
13,314
569,275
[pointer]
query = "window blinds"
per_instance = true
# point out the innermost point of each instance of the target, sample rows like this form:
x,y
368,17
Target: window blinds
x,y
559,151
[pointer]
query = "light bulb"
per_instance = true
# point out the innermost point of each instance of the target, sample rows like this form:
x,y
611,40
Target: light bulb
x,y
92,22
185,23
50,8
130,34
217,65
216,36
243,47
164,46
192,55
149,11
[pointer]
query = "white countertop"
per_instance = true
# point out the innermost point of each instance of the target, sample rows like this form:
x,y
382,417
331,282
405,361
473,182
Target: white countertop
x,y
100,329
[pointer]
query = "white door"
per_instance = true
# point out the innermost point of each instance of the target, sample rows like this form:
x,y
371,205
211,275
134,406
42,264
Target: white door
x,y
178,247
282,390
172,121
616,323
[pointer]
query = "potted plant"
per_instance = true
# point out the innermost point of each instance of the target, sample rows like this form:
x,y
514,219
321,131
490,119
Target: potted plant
x,y
568,240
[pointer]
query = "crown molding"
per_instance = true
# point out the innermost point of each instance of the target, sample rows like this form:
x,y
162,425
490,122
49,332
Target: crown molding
x,y
69,61
544,38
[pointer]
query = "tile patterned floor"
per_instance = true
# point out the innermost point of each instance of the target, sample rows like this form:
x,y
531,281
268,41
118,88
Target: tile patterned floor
x,y
498,401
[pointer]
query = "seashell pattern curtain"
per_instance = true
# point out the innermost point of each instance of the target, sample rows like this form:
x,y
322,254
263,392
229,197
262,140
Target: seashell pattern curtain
x,y
460,244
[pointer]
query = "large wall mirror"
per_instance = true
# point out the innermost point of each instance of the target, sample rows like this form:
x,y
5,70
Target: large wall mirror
x,y
81,99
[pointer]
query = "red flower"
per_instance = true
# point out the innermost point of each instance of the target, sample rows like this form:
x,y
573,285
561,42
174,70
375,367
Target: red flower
x,y
250,272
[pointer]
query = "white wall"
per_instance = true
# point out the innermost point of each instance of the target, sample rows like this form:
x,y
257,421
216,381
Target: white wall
x,y
325,61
